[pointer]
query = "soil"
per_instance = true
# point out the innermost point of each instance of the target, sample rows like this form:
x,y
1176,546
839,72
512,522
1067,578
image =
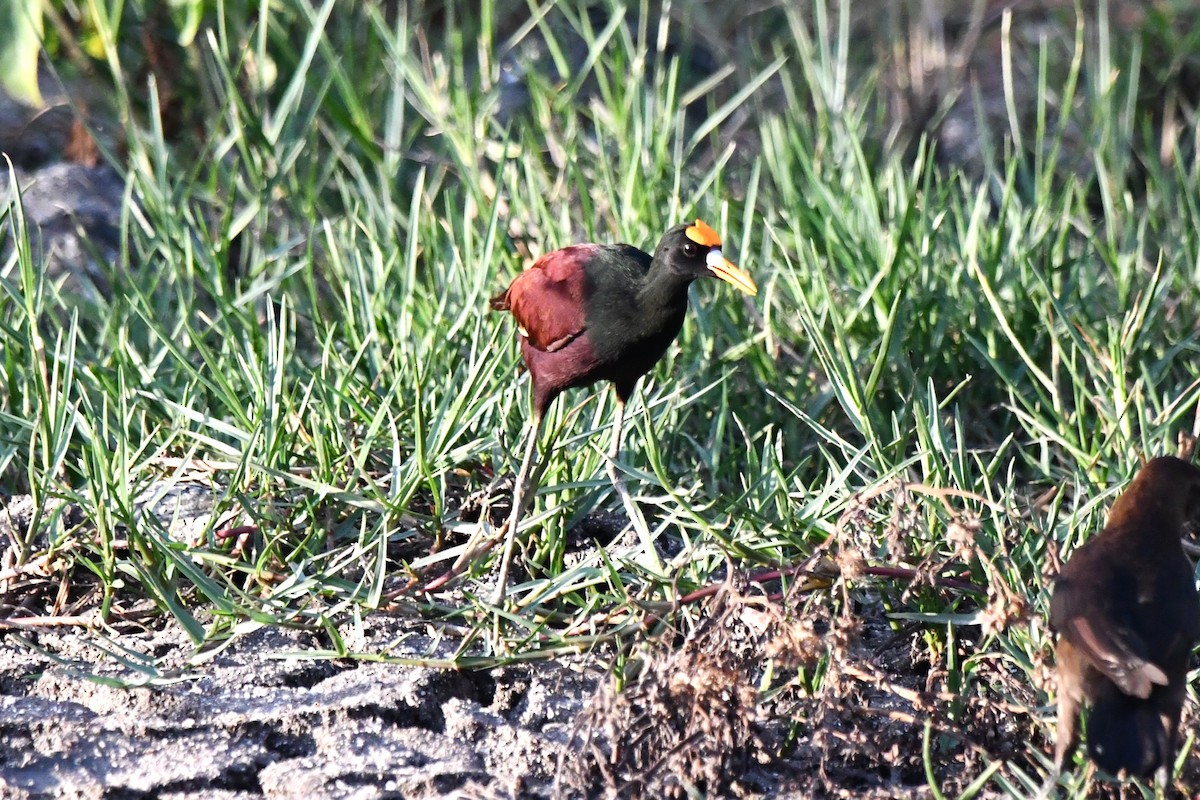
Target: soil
x,y
263,718
140,712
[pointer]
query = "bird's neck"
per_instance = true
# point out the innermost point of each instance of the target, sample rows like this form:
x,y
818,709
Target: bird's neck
x,y
663,292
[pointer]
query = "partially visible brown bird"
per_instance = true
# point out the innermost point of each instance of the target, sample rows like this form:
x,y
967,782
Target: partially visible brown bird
x,y
592,312
1127,614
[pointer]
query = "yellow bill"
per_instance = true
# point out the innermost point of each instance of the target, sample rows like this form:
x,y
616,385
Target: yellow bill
x,y
724,269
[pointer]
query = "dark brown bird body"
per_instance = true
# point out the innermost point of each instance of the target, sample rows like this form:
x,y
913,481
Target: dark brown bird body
x,y
1128,616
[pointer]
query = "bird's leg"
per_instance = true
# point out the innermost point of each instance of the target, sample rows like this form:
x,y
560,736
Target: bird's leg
x,y
521,495
618,482
1168,743
1047,787
1067,733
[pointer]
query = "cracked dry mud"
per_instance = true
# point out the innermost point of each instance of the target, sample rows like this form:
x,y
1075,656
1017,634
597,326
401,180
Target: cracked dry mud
x,y
260,719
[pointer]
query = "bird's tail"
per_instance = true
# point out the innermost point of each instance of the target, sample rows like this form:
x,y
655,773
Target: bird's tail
x,y
1125,732
500,302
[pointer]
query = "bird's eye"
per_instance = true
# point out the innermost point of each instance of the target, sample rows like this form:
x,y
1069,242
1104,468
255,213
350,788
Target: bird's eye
x,y
690,250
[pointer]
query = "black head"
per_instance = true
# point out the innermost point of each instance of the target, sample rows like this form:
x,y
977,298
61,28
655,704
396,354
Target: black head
x,y
694,251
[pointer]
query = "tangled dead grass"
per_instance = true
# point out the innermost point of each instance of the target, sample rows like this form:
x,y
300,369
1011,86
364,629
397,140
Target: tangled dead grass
x,y
686,723
826,691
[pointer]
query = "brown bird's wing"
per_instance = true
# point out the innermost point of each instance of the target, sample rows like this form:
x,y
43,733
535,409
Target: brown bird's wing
x,y
1106,647
547,299
1085,609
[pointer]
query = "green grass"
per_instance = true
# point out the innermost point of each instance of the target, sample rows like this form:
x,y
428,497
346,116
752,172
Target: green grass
x,y
299,319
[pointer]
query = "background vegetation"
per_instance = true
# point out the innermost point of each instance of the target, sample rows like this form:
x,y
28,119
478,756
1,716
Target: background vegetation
x,y
955,359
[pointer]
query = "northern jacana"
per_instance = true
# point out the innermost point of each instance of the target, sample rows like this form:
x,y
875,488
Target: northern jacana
x,y
592,312
1127,616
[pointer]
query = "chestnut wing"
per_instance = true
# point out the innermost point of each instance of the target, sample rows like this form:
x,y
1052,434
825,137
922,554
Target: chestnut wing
x,y
547,300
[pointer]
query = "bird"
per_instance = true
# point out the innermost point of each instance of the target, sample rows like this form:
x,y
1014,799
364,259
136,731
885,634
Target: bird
x,y
1127,615
594,312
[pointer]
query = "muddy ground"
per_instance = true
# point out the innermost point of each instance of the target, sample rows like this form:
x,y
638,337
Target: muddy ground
x,y
271,714
260,719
